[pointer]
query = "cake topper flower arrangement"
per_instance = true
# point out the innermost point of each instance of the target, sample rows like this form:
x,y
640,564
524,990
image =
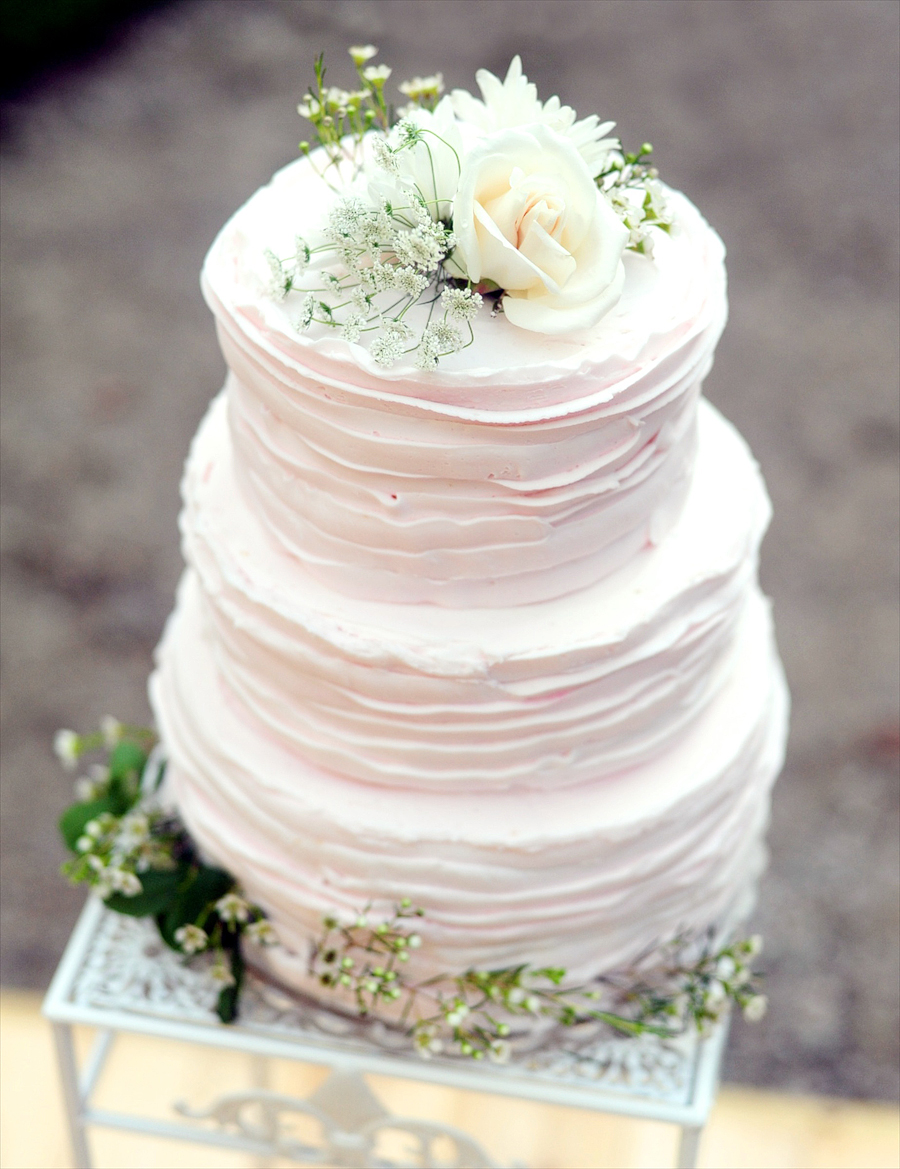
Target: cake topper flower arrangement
x,y
456,201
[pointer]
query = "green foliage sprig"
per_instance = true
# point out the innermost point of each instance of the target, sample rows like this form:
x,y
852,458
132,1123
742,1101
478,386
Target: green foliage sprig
x,y
141,861
473,1014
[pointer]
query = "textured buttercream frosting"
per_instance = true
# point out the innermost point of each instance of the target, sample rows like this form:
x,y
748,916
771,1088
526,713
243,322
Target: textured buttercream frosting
x,y
488,637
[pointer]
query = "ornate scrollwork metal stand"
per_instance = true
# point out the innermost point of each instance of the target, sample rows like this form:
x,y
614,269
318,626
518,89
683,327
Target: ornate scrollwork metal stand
x,y
117,976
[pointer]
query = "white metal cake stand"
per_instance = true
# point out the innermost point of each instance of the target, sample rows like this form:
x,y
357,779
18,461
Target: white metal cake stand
x,y
117,976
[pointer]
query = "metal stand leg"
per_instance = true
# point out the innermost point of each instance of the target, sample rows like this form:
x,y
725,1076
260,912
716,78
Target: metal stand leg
x,y
689,1145
68,1070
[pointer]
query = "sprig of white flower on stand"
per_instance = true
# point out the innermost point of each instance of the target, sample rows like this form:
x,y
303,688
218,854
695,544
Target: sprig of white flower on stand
x,y
473,1014
138,857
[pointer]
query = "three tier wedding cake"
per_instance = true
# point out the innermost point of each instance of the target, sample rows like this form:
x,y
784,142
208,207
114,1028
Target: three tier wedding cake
x,y
470,618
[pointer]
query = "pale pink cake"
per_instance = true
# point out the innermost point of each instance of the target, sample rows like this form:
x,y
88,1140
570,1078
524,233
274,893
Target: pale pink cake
x,y
489,637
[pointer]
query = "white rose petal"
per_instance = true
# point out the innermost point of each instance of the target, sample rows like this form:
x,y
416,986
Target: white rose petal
x,y
529,217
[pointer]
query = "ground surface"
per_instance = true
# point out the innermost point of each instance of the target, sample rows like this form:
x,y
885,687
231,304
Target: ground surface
x,y
779,119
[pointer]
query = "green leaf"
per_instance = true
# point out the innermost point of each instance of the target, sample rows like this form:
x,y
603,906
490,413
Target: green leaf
x,y
160,889
73,820
204,886
126,759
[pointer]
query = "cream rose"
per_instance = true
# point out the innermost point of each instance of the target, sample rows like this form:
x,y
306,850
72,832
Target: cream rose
x,y
529,217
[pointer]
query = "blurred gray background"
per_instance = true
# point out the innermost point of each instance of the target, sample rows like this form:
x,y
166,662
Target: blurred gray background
x,y
778,118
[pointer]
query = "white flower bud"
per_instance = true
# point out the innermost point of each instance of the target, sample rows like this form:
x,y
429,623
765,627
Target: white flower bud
x,y
755,1008
111,729
67,746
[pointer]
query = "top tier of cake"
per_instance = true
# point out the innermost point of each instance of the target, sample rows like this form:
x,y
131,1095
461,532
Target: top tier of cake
x,y
525,468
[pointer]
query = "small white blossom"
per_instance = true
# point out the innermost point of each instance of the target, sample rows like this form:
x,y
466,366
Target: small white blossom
x,y
352,327
233,908
309,108
359,299
725,967
423,87
84,844
377,74
455,1016
755,1008
86,790
301,255
515,996
111,729
67,746
134,830
191,938
362,53
440,337
385,157
97,864
409,281
125,883
461,304
387,349
94,828
278,283
532,1003
499,1051
414,941
221,975
715,993
427,1042
307,312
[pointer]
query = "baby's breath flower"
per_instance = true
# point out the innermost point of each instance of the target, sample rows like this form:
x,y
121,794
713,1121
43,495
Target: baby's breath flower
x,y
67,746
377,75
384,156
359,298
279,284
387,349
233,908
441,337
307,312
362,53
499,1051
309,108
191,938
725,967
111,729
125,882
86,790
461,304
220,974
352,327
134,830
755,1008
419,88
84,844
